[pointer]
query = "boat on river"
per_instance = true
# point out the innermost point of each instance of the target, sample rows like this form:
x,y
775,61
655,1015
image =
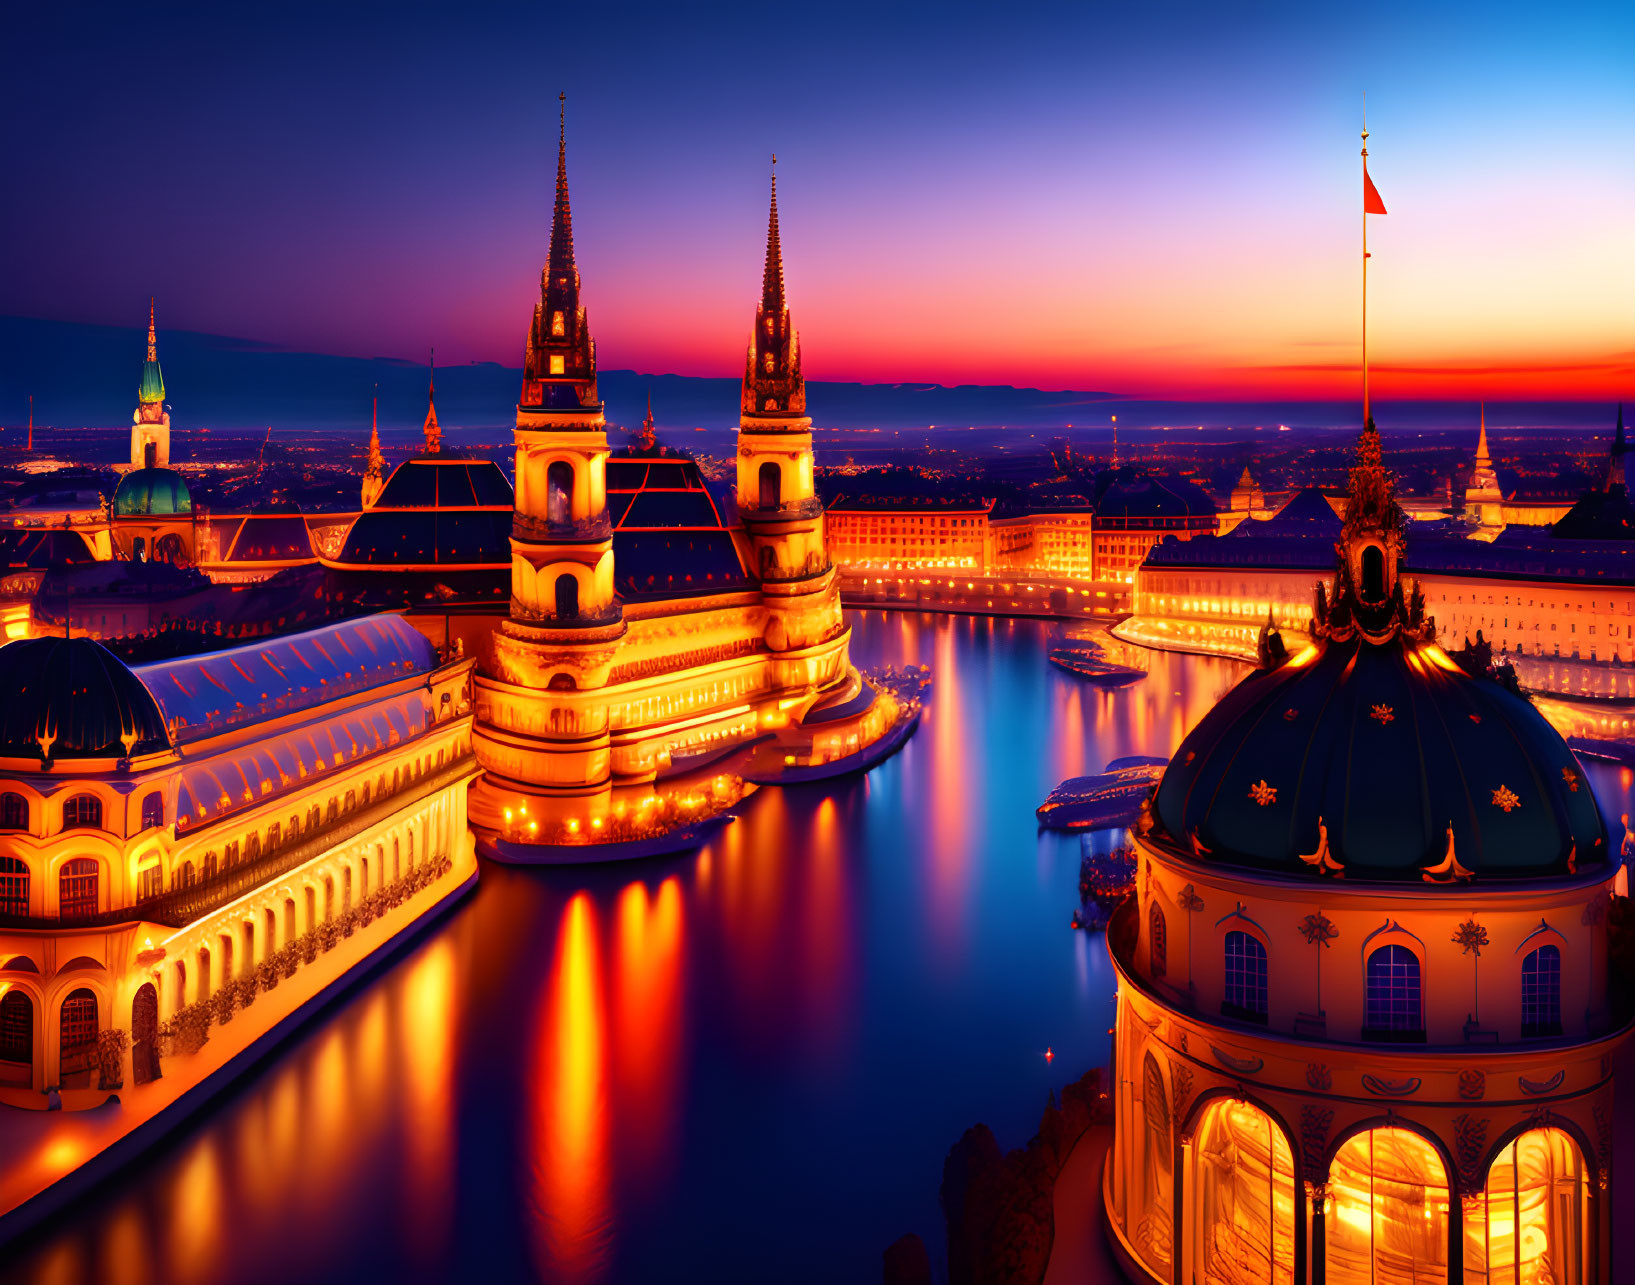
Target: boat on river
x,y
1107,799
1088,660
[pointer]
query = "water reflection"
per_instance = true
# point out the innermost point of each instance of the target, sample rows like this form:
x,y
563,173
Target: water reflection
x,y
643,1072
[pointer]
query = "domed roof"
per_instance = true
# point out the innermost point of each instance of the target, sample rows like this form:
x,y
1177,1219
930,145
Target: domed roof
x,y
73,698
152,388
1373,754
151,492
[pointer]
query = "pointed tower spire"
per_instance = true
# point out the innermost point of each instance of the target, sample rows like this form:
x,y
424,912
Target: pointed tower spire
x,y
1484,460
374,473
559,359
772,378
772,279
561,258
648,437
153,340
434,434
151,392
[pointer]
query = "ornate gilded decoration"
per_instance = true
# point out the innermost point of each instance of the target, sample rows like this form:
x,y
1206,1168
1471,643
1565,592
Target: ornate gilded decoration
x,y
1382,714
1392,1088
1318,930
1505,799
1472,1084
1262,793
1319,1077
1447,870
1242,1065
1189,900
1314,1127
1470,937
1533,1088
1322,858
1469,1141
1181,1085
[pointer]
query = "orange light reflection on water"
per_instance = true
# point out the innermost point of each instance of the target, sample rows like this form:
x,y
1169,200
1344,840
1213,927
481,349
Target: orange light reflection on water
x,y
571,1162
648,1006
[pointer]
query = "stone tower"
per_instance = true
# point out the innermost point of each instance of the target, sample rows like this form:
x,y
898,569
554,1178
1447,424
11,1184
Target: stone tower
x,y
374,473
565,621
776,499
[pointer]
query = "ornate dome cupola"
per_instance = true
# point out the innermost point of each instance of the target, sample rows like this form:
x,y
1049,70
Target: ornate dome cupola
x,y
1372,753
150,425
559,365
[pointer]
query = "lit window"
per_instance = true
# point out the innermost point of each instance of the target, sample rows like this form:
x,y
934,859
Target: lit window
x,y
558,364
83,811
557,328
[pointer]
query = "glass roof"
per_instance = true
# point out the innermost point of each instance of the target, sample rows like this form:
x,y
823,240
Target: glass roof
x,y
206,695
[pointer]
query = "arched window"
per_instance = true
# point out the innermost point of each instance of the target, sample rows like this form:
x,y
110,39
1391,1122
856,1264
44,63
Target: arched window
x,y
153,810
1373,573
13,811
82,812
559,492
1541,992
1245,995
77,888
145,1034
1388,1211
1152,1222
1241,1197
1157,941
1393,1008
13,886
16,1027
78,1029
567,597
1531,1225
187,876
771,478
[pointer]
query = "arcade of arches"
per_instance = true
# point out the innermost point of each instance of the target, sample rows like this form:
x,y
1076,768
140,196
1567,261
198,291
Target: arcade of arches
x,y
1388,1214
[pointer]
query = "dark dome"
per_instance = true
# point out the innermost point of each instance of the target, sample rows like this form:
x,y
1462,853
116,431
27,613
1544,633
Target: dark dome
x,y
151,492
73,698
1377,733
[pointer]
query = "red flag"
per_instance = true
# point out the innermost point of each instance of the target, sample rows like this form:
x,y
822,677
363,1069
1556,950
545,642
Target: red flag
x,y
1371,195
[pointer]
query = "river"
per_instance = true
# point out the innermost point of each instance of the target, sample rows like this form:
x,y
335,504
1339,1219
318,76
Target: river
x,y
743,1064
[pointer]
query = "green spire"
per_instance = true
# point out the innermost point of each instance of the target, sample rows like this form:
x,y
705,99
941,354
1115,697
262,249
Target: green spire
x,y
153,379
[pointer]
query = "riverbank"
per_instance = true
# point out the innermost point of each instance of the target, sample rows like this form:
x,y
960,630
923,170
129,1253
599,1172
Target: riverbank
x,y
56,1157
987,595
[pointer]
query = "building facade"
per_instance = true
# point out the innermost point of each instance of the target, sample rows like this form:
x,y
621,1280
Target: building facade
x,y
180,837
909,533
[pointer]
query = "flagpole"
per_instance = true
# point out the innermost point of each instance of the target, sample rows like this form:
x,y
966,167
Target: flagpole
x,y
1366,417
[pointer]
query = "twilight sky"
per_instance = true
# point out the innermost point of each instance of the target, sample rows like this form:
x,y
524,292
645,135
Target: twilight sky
x,y
1157,199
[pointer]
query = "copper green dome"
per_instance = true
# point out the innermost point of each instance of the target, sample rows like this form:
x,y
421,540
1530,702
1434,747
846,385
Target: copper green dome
x,y
1369,753
152,492
153,383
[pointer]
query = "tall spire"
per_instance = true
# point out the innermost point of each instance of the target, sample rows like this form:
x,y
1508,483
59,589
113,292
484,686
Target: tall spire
x,y
561,259
434,434
559,360
1484,460
374,473
772,378
772,279
151,392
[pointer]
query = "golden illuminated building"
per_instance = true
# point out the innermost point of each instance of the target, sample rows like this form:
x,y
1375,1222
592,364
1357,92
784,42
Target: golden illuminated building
x,y
898,533
646,637
192,849
1364,1022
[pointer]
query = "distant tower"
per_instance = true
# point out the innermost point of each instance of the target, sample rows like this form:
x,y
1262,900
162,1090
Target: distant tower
x,y
565,621
776,499
30,445
1615,460
1483,500
1247,495
150,426
647,439
374,474
434,434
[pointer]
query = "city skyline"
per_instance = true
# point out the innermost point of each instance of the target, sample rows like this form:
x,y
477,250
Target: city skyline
x,y
1175,216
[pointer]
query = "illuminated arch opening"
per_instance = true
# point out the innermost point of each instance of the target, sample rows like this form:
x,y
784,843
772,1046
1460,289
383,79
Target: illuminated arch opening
x,y
1387,1211
1531,1223
559,492
1241,1197
16,1031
